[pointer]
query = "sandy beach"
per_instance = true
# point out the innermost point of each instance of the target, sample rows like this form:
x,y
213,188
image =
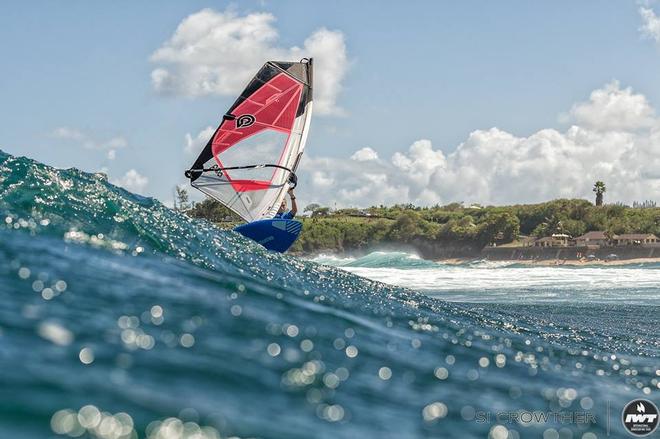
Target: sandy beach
x,y
559,262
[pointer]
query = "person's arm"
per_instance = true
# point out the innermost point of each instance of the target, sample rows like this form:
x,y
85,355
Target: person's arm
x,y
294,206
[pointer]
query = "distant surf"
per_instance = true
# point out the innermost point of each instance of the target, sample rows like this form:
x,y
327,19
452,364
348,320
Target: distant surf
x,y
379,259
508,281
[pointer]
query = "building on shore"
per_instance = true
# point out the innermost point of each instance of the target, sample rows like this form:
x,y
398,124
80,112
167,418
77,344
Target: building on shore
x,y
546,241
598,238
526,241
634,239
556,240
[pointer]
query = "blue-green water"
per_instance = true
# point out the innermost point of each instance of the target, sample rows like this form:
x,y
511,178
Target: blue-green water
x,y
120,318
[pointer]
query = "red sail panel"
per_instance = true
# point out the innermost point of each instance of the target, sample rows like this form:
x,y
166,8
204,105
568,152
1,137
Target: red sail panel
x,y
271,107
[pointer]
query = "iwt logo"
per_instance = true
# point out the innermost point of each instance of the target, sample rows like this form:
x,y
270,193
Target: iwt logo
x,y
640,417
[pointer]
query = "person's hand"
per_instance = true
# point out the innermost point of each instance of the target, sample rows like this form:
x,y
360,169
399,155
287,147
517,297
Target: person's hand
x,y
290,191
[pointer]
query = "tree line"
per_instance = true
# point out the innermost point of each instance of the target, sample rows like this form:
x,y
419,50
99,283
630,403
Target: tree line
x,y
474,225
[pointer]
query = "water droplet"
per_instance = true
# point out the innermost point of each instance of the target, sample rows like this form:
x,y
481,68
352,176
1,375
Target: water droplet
x,y
434,411
187,340
274,349
86,356
441,373
385,373
351,351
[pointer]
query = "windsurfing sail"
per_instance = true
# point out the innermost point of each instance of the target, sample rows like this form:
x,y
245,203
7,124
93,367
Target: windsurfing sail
x,y
253,155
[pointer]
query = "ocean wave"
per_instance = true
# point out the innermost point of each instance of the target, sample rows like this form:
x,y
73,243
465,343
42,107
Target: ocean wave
x,y
378,259
112,303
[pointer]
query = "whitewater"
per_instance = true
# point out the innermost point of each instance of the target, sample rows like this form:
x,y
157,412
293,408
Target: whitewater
x,y
120,318
507,281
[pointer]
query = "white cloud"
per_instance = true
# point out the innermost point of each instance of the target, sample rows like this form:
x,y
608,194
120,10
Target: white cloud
x,y
364,154
218,52
88,142
331,64
321,179
650,27
195,144
349,182
67,133
613,108
132,181
420,162
114,143
615,138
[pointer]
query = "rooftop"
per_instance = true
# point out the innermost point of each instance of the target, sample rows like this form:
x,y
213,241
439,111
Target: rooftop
x,y
598,234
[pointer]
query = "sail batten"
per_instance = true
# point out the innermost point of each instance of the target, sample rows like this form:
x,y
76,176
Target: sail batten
x,y
267,125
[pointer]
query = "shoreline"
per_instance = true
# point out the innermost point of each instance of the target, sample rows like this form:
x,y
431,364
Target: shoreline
x,y
556,262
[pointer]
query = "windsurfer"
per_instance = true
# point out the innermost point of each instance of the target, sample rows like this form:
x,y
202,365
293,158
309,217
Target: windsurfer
x,y
282,212
250,161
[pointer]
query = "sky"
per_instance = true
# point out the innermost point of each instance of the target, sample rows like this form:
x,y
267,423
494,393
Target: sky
x,y
425,102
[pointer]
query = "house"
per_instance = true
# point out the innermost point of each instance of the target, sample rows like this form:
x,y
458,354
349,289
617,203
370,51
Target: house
x,y
635,239
560,240
526,241
543,242
556,240
598,238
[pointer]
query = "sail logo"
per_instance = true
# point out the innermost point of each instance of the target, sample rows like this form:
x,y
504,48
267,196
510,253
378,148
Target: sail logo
x,y
246,120
640,417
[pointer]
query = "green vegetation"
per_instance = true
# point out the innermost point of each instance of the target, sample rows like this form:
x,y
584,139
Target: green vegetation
x,y
213,211
476,226
406,224
335,233
453,224
181,199
599,188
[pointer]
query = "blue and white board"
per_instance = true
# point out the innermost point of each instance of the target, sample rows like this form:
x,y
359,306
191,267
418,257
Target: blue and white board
x,y
274,234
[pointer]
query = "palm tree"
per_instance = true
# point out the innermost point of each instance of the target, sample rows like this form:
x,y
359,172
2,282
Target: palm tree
x,y
599,188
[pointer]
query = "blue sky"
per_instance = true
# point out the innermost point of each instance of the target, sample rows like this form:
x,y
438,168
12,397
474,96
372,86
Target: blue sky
x,y
77,83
